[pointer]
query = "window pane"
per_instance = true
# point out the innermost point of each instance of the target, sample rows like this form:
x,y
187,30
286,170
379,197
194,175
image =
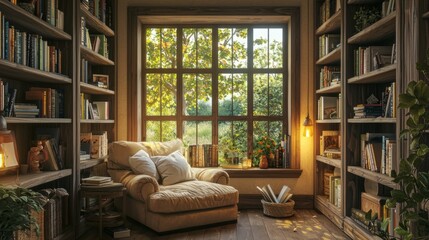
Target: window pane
x,y
272,129
268,94
161,49
232,141
197,47
260,48
197,94
197,132
232,90
161,91
276,48
160,130
232,47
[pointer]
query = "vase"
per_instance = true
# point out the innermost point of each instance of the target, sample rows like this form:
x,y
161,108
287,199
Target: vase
x,y
263,162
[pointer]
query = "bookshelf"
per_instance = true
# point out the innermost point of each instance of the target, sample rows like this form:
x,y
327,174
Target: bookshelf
x,y
326,63
366,74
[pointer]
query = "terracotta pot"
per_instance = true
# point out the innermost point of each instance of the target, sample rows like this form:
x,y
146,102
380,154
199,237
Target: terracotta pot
x,y
263,162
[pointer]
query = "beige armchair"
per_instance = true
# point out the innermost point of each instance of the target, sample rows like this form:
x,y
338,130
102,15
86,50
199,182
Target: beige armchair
x,y
206,200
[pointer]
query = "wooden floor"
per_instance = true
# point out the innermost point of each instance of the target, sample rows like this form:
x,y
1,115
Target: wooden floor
x,y
251,225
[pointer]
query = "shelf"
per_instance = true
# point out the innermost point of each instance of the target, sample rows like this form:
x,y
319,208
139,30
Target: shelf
x,y
374,176
33,179
329,210
331,25
96,121
94,57
336,120
38,120
96,23
84,164
363,1
372,120
264,173
355,231
26,21
381,75
91,89
331,89
330,161
24,73
426,15
332,57
382,29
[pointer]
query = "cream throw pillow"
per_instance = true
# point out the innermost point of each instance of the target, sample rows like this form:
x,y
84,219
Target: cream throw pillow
x,y
173,168
141,163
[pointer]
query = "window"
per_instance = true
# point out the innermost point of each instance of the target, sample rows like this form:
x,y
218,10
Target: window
x,y
215,85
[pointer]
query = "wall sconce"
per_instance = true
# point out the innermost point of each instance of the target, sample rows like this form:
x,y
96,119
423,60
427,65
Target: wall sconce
x,y
308,126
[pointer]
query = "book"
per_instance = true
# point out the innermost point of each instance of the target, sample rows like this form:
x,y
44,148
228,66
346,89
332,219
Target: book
x,y
118,232
96,179
103,109
374,203
269,196
52,159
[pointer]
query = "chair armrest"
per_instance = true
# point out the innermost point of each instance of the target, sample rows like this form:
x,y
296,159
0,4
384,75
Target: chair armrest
x,y
211,175
140,186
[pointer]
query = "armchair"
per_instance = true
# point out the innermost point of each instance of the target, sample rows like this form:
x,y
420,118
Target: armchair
x,y
206,200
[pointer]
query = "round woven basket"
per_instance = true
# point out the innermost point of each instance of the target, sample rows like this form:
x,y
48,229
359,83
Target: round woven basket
x,y
278,209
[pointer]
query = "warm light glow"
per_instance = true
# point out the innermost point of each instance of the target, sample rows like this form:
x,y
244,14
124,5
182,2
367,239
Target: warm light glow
x,y
247,163
2,160
307,131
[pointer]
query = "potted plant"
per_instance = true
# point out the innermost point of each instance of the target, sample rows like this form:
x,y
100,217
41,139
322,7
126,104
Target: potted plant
x,y
413,177
16,205
264,150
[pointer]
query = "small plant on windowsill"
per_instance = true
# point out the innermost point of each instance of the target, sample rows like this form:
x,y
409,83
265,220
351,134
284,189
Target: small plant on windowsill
x,y
264,150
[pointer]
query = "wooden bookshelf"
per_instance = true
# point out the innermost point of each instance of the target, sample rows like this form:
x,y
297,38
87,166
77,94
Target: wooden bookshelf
x,y
331,25
382,29
372,120
426,15
331,89
95,23
33,179
38,120
94,57
354,230
374,176
27,21
84,164
108,121
329,161
332,57
91,89
336,120
328,209
351,2
381,75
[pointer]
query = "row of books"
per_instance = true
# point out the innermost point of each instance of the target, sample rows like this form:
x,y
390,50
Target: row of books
x,y
378,152
46,10
97,110
204,155
329,76
269,196
368,110
370,58
101,9
328,43
332,188
93,145
50,101
95,42
387,7
328,8
388,102
329,107
330,144
28,49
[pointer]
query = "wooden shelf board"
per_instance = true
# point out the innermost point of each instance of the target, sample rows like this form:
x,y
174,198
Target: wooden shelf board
x,y
91,89
336,120
28,22
426,15
329,210
382,29
96,121
33,179
264,173
20,72
381,75
96,23
374,176
371,120
331,25
355,231
324,200
332,57
38,120
362,1
84,164
331,89
94,57
330,161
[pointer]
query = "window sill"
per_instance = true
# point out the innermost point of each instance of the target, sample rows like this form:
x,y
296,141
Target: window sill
x,y
264,173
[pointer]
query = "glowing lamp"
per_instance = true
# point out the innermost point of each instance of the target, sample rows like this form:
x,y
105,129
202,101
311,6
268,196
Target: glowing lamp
x,y
308,127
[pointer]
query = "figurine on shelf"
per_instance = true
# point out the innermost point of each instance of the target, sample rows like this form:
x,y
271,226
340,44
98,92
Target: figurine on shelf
x,y
36,156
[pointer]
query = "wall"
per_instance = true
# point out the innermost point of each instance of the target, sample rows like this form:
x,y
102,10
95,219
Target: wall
x,y
301,186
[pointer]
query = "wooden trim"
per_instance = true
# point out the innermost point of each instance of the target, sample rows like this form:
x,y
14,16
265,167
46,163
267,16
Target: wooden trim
x,y
247,201
264,173
132,105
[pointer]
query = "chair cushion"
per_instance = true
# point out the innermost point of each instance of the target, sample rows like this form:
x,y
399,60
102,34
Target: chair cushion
x,y
192,195
173,168
142,164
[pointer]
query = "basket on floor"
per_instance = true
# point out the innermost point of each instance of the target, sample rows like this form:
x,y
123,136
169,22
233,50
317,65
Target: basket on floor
x,y
278,209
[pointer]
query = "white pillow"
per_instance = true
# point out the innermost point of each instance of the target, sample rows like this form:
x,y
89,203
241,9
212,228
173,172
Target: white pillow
x,y
173,168
141,163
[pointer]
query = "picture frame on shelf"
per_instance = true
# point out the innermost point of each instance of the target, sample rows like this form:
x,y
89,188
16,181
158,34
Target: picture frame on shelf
x,y
100,80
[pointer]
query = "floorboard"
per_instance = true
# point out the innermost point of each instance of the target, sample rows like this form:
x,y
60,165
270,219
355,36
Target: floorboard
x,y
252,224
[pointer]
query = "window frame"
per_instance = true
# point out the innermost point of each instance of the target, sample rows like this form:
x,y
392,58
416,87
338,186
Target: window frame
x,y
135,58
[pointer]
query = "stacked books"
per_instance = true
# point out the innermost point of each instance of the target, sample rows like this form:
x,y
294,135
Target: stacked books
x,y
97,181
269,196
118,232
368,110
26,110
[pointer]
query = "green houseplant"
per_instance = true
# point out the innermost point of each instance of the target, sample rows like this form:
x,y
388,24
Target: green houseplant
x,y
16,205
413,177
